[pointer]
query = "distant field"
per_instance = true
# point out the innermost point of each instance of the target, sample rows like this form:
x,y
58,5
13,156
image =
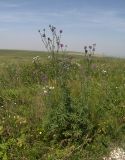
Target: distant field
x,y
15,56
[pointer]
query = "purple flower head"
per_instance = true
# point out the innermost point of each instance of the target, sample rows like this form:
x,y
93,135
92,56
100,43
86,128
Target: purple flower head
x,y
85,47
61,45
39,30
60,31
49,39
53,28
90,47
44,35
50,25
94,66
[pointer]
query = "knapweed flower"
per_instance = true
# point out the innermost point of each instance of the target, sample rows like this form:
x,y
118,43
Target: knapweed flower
x,y
60,31
90,47
49,39
94,66
53,28
85,47
44,78
61,45
44,35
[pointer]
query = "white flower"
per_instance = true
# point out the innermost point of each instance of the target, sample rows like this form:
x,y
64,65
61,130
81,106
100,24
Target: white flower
x,y
51,87
49,57
40,132
44,88
116,154
78,64
104,71
45,91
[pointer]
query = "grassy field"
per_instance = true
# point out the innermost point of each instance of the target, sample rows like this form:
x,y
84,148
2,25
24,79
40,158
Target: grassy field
x,y
70,108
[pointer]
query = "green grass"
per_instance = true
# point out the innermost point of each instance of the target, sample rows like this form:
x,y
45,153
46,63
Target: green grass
x,y
66,109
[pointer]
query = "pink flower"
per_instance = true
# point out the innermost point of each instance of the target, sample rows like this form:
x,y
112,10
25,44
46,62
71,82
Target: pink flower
x,y
61,45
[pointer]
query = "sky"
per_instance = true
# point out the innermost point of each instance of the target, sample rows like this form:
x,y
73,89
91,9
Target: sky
x,y
83,22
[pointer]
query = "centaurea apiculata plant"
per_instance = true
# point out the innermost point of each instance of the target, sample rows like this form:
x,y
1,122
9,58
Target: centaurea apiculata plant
x,y
53,44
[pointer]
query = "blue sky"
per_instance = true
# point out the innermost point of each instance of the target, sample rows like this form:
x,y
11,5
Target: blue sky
x,y
83,22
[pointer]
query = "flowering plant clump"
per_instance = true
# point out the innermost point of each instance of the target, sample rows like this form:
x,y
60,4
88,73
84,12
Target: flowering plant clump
x,y
89,50
52,44
116,154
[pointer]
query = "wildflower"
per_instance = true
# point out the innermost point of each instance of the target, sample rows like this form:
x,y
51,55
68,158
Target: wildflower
x,y
85,47
104,71
77,64
44,78
94,66
49,57
44,35
53,28
39,30
60,31
49,39
116,154
61,45
51,87
90,47
40,132
45,91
